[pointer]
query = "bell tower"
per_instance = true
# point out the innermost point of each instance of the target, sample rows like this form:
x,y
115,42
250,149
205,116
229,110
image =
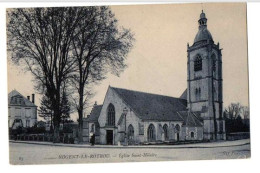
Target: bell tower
x,y
204,73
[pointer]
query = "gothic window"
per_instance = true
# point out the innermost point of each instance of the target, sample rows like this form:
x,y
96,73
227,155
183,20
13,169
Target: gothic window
x,y
151,133
177,128
131,133
198,63
111,115
165,130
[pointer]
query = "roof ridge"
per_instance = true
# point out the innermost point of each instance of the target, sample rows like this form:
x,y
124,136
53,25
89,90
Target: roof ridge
x,y
148,93
18,93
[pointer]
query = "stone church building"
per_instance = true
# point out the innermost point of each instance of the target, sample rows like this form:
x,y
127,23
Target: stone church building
x,y
133,117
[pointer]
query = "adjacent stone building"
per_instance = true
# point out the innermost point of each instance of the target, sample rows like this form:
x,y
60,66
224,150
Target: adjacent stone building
x,y
133,117
21,111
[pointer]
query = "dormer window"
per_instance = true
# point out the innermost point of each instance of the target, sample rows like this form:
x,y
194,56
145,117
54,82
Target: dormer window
x,y
17,100
198,63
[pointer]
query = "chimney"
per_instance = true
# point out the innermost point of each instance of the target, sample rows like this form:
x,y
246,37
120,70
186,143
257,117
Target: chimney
x,y
28,97
95,103
33,95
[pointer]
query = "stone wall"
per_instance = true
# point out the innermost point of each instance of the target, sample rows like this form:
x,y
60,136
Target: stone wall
x,y
113,98
197,131
206,80
23,113
172,134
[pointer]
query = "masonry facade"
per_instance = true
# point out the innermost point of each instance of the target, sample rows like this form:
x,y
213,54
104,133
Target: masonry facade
x,y
21,111
132,117
205,83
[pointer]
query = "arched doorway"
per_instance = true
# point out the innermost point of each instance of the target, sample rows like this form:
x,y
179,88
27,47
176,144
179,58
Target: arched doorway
x,y
192,135
151,135
166,134
130,135
177,129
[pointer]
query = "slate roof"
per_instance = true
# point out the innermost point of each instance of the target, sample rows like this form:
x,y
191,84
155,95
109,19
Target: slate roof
x,y
94,114
26,102
203,35
152,106
191,119
184,95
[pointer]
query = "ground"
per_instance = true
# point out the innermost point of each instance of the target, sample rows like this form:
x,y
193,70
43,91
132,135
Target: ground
x,y
47,153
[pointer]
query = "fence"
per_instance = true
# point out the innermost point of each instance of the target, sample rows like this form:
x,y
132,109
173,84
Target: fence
x,y
68,138
238,135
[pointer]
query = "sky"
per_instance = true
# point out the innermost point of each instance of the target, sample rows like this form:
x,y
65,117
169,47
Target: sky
x,y
158,61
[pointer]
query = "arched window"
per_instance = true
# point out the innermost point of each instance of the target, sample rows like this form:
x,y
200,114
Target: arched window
x,y
192,135
151,133
198,63
165,129
93,128
130,133
111,115
177,129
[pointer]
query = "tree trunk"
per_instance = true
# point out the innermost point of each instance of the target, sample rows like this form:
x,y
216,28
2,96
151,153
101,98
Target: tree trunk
x,y
56,133
80,112
56,121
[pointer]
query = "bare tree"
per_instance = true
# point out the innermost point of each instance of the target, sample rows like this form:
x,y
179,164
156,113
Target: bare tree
x,y
245,112
233,111
41,38
100,47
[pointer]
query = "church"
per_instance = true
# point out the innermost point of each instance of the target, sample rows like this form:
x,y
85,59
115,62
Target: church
x,y
131,117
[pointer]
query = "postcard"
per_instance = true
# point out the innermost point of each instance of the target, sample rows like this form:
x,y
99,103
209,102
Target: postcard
x,y
128,83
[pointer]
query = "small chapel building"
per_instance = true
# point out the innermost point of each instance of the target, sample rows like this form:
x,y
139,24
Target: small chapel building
x,y
133,117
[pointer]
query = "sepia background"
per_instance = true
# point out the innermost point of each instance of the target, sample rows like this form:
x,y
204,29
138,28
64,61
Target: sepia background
x,y
158,61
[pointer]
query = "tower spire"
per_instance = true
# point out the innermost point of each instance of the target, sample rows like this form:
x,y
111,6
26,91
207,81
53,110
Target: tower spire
x,y
203,20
